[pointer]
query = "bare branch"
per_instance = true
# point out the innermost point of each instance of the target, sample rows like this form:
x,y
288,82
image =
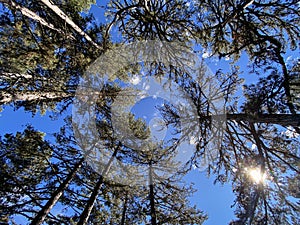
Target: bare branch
x,y
32,15
69,21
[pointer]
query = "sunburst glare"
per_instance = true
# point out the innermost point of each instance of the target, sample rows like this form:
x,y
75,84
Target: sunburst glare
x,y
256,175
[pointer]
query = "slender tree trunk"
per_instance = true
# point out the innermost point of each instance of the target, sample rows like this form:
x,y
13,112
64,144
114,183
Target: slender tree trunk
x,y
10,76
280,119
32,15
40,217
90,204
124,211
68,20
248,217
151,196
7,97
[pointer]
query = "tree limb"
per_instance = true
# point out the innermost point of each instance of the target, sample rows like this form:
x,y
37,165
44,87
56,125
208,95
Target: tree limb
x,y
69,21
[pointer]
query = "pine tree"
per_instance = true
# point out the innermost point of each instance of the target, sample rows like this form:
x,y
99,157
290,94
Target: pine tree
x,y
149,20
45,48
24,161
40,63
259,137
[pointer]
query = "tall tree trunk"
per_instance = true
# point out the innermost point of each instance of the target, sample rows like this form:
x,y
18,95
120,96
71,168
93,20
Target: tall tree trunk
x,y
40,217
280,119
7,97
124,210
32,15
68,20
151,196
90,204
250,210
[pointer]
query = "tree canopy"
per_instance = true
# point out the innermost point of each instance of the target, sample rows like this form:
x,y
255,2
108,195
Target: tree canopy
x,y
239,121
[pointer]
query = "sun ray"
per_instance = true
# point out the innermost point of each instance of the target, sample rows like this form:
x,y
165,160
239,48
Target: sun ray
x,y
256,175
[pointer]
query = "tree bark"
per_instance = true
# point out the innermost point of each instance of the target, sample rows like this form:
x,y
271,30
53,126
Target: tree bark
x,y
68,20
40,217
90,204
280,119
10,76
151,196
7,97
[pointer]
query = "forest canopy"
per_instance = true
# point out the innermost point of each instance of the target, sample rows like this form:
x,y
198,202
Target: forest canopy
x,y
222,82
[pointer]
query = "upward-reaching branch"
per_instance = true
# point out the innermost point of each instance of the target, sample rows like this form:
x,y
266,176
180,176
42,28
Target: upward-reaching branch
x,y
32,15
41,215
236,12
69,21
124,210
84,217
151,196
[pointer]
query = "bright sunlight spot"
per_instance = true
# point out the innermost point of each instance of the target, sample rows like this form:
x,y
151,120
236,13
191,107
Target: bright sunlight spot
x,y
256,175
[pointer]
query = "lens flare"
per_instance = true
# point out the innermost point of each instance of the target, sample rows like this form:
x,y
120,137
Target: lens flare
x,y
256,175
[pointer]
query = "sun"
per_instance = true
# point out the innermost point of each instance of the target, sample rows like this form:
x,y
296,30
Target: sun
x,y
256,175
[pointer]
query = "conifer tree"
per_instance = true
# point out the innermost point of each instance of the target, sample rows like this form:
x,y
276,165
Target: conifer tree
x,y
24,164
41,59
45,49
